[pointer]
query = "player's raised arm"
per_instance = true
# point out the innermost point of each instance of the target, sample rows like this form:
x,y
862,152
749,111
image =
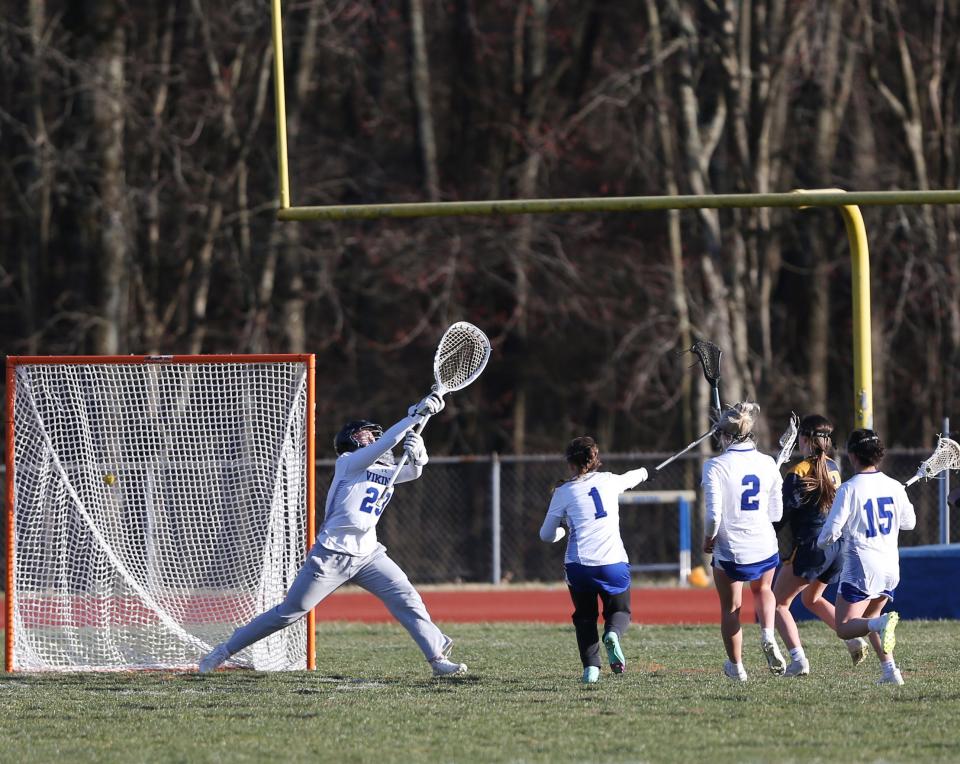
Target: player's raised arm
x,y
370,452
632,478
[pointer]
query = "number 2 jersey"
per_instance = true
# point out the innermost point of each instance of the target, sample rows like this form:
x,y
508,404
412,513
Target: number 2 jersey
x,y
590,507
869,511
353,501
742,491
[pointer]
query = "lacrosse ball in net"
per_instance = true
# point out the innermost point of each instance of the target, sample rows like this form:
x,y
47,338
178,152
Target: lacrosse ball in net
x,y
109,478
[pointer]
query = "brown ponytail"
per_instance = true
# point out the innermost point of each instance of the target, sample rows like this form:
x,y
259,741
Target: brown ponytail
x,y
818,429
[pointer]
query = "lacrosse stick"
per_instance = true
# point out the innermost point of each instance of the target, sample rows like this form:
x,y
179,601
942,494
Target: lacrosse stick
x,y
677,455
461,356
789,439
709,355
946,456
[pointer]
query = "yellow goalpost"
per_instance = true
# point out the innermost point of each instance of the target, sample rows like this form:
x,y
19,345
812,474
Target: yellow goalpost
x,y
848,202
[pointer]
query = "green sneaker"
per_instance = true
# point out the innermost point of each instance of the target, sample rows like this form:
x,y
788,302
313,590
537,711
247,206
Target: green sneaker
x,y
591,674
888,632
614,654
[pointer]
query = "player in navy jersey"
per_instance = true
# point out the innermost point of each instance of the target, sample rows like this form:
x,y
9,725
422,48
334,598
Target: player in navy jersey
x,y
868,512
346,547
596,562
742,491
808,491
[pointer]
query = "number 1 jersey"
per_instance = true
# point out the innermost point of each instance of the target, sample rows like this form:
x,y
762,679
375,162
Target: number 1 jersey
x,y
590,507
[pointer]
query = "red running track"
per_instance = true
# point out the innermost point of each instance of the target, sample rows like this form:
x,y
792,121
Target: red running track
x,y
550,605
653,606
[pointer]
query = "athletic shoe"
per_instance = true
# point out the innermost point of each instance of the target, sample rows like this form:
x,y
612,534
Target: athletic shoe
x,y
214,658
615,655
591,674
798,668
858,650
443,667
774,659
731,672
888,631
894,677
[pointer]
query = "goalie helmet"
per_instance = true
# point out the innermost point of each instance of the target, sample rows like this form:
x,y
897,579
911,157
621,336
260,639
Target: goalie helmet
x,y
346,440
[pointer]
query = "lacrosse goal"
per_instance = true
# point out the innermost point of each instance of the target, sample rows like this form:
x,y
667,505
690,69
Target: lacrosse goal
x,y
154,503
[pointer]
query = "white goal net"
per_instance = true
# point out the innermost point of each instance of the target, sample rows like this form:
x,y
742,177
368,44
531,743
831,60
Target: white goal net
x,y
156,505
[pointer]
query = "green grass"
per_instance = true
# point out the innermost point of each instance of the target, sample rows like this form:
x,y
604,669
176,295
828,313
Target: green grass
x,y
372,700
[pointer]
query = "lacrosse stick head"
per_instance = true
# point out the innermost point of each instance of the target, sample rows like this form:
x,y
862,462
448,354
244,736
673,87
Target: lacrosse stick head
x,y
789,439
461,357
946,456
709,355
789,436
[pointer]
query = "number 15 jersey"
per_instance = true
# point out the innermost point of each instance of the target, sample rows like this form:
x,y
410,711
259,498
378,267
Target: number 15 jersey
x,y
869,511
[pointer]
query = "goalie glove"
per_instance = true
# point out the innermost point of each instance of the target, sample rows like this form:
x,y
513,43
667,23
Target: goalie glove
x,y
430,405
413,445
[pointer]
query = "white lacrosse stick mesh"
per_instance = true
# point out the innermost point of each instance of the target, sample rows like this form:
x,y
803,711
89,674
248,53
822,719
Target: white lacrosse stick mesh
x,y
158,505
946,456
461,356
789,439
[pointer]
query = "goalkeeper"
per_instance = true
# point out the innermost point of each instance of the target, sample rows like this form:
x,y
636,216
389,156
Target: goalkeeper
x,y
346,548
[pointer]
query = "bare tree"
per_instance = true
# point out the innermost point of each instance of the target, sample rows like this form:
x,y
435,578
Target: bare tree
x,y
420,87
107,92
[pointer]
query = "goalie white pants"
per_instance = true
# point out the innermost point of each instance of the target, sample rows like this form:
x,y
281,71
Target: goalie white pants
x,y
325,571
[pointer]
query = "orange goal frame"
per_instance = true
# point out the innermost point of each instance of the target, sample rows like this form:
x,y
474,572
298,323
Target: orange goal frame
x,y
308,359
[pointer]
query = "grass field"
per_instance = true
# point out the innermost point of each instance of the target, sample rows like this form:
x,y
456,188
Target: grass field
x,y
372,700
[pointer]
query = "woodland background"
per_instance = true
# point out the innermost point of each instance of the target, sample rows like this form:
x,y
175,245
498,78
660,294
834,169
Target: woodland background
x,y
138,187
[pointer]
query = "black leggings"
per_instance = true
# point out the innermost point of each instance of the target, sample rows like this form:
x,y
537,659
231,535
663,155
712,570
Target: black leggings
x,y
616,618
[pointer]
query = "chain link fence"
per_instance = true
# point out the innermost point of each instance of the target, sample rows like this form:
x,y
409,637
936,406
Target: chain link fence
x,y
476,519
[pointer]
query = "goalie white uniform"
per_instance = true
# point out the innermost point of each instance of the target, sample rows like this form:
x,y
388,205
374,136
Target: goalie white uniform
x,y
869,511
347,549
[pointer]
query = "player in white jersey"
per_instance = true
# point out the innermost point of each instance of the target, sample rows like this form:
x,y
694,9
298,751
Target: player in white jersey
x,y
869,511
742,491
347,549
596,562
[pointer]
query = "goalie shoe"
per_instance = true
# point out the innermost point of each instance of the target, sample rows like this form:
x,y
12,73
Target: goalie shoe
x,y
446,668
215,658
